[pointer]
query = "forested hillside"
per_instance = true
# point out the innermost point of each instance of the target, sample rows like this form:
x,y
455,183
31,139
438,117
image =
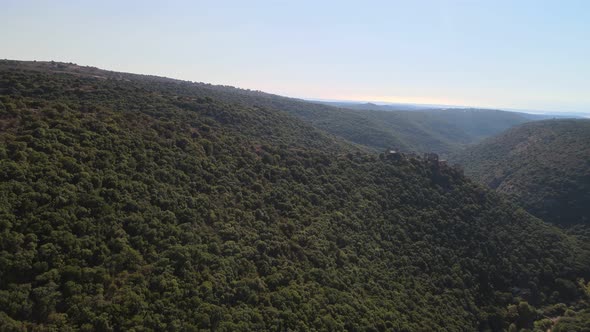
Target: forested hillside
x,y
443,131
139,203
545,166
440,131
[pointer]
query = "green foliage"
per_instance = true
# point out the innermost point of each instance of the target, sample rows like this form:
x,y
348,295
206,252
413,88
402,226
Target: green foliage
x,y
580,322
441,131
141,203
544,166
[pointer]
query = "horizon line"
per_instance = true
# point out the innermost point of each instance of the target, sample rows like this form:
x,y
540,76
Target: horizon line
x,y
322,99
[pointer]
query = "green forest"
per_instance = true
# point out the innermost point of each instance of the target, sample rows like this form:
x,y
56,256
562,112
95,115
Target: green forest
x,y
140,203
542,165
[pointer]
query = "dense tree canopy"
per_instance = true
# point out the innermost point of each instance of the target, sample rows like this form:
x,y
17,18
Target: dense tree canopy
x,y
543,165
139,203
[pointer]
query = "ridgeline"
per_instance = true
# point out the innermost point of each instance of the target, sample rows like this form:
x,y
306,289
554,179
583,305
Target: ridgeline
x,y
132,202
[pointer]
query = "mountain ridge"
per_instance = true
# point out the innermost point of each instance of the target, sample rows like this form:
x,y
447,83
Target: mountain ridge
x,y
542,165
129,204
424,131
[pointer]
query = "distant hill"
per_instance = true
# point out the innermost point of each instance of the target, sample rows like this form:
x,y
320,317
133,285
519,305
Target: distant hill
x,y
418,128
440,131
373,106
423,129
544,165
368,106
444,131
133,202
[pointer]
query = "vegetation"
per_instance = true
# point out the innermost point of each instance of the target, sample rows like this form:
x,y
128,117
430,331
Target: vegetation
x,y
578,322
440,131
544,166
139,203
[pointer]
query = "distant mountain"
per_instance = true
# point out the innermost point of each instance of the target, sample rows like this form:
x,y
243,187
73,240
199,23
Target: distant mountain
x,y
441,130
369,106
543,165
445,130
373,106
132,202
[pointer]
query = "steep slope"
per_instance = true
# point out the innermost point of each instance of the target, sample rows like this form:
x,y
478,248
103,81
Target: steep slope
x,y
445,130
127,204
545,166
440,131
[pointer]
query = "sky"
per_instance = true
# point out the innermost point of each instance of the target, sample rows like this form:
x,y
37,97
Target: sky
x,y
519,54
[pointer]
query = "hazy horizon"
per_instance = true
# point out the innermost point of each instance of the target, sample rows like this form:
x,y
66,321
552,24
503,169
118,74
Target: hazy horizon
x,y
528,55
580,114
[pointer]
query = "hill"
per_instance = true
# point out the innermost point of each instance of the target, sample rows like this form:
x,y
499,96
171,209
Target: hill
x,y
443,131
440,131
132,203
374,107
544,165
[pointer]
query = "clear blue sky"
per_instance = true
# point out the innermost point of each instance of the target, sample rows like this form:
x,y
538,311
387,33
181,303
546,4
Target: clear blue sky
x,y
510,54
